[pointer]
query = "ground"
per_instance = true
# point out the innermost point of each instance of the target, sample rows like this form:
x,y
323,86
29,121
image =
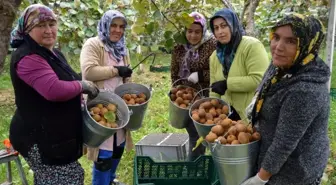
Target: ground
x,y
156,121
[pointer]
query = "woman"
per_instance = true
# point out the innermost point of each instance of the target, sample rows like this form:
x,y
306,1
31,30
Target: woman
x,y
46,127
237,65
293,106
191,61
103,61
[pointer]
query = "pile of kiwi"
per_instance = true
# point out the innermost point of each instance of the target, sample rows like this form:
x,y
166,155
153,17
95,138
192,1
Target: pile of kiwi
x,y
134,99
105,115
210,112
230,132
183,96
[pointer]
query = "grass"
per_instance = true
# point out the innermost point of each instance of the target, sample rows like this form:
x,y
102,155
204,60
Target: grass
x,y
156,121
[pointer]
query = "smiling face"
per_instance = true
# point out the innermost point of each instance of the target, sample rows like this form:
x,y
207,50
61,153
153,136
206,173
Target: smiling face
x,y
117,29
283,47
222,30
194,34
45,33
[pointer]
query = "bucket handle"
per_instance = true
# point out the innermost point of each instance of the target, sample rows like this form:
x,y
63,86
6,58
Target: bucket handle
x,y
187,80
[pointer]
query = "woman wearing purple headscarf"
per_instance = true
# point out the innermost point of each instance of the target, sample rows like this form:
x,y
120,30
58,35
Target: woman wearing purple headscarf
x,y
104,60
46,127
191,61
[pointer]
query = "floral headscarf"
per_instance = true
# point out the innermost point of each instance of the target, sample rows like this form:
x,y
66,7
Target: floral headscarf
x,y
32,16
310,34
117,49
192,51
226,52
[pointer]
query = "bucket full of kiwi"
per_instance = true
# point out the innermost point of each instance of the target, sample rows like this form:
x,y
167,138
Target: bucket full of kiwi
x,y
136,96
234,147
103,116
181,98
206,113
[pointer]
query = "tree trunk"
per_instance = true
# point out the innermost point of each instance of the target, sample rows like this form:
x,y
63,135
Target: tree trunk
x,y
7,14
250,25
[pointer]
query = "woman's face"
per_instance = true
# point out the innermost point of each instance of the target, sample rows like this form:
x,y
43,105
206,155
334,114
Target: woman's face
x,y
45,33
194,34
283,47
222,30
117,29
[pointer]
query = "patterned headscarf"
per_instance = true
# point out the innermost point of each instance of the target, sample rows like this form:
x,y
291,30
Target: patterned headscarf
x,y
117,49
32,16
310,34
192,51
226,52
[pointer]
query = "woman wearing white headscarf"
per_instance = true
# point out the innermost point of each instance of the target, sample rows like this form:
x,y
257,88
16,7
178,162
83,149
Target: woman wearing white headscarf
x,y
104,60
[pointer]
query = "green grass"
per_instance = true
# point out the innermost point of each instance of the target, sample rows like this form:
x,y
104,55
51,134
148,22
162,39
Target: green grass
x,y
156,121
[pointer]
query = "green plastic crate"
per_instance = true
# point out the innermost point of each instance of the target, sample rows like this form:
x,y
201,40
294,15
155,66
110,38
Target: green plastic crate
x,y
333,93
198,172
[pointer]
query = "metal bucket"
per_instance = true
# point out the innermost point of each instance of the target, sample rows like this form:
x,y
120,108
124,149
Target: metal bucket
x,y
95,134
138,111
235,163
203,129
178,117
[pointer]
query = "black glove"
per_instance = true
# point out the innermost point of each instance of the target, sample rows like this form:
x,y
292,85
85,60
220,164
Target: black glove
x,y
90,89
219,87
124,71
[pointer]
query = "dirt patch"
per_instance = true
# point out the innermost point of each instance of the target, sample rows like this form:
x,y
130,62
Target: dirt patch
x,y
7,97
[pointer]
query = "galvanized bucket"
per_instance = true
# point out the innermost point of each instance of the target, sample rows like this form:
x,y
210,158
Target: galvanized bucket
x,y
178,117
235,163
204,129
138,111
95,134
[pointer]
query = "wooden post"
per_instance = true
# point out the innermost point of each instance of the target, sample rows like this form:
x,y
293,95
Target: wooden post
x,y
331,37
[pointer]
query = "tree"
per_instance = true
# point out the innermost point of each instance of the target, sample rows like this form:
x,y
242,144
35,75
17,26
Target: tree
x,y
7,14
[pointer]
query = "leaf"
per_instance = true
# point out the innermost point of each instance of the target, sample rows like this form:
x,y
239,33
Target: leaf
x,y
150,28
169,43
72,11
198,142
180,38
157,15
168,34
91,21
110,117
137,29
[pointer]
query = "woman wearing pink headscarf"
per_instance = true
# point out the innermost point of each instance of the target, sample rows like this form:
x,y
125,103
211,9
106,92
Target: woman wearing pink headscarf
x,y
191,61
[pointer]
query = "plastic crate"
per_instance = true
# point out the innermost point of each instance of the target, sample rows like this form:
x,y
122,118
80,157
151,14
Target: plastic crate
x,y
164,147
198,172
333,94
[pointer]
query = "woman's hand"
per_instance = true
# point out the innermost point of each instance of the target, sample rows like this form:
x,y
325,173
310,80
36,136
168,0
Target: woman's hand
x,y
90,89
124,71
256,180
219,87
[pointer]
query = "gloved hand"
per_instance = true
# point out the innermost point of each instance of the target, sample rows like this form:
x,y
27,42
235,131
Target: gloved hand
x,y
250,107
89,88
193,77
124,71
219,87
254,181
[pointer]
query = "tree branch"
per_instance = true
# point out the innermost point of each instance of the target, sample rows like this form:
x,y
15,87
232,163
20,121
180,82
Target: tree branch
x,y
165,16
227,4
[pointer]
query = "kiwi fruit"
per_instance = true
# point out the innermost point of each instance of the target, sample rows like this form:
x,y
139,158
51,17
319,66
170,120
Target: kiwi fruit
x,y
189,96
137,100
249,136
207,105
222,140
134,96
96,117
217,129
230,138
180,93
102,122
219,111
186,102
214,102
194,111
111,107
100,105
209,122
216,120
179,100
114,125
213,112
255,136
196,117
173,90
103,110
142,95
235,142
173,97
201,113
211,137
208,116
240,127
202,120
131,101
127,97
226,123
225,109
243,138
232,130
183,105
249,129
222,116
95,110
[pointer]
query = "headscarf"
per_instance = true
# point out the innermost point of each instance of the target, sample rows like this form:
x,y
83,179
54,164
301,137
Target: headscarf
x,y
226,52
117,49
32,16
310,33
192,51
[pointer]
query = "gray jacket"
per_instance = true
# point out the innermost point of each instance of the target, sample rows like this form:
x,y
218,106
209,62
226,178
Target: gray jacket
x,y
294,127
